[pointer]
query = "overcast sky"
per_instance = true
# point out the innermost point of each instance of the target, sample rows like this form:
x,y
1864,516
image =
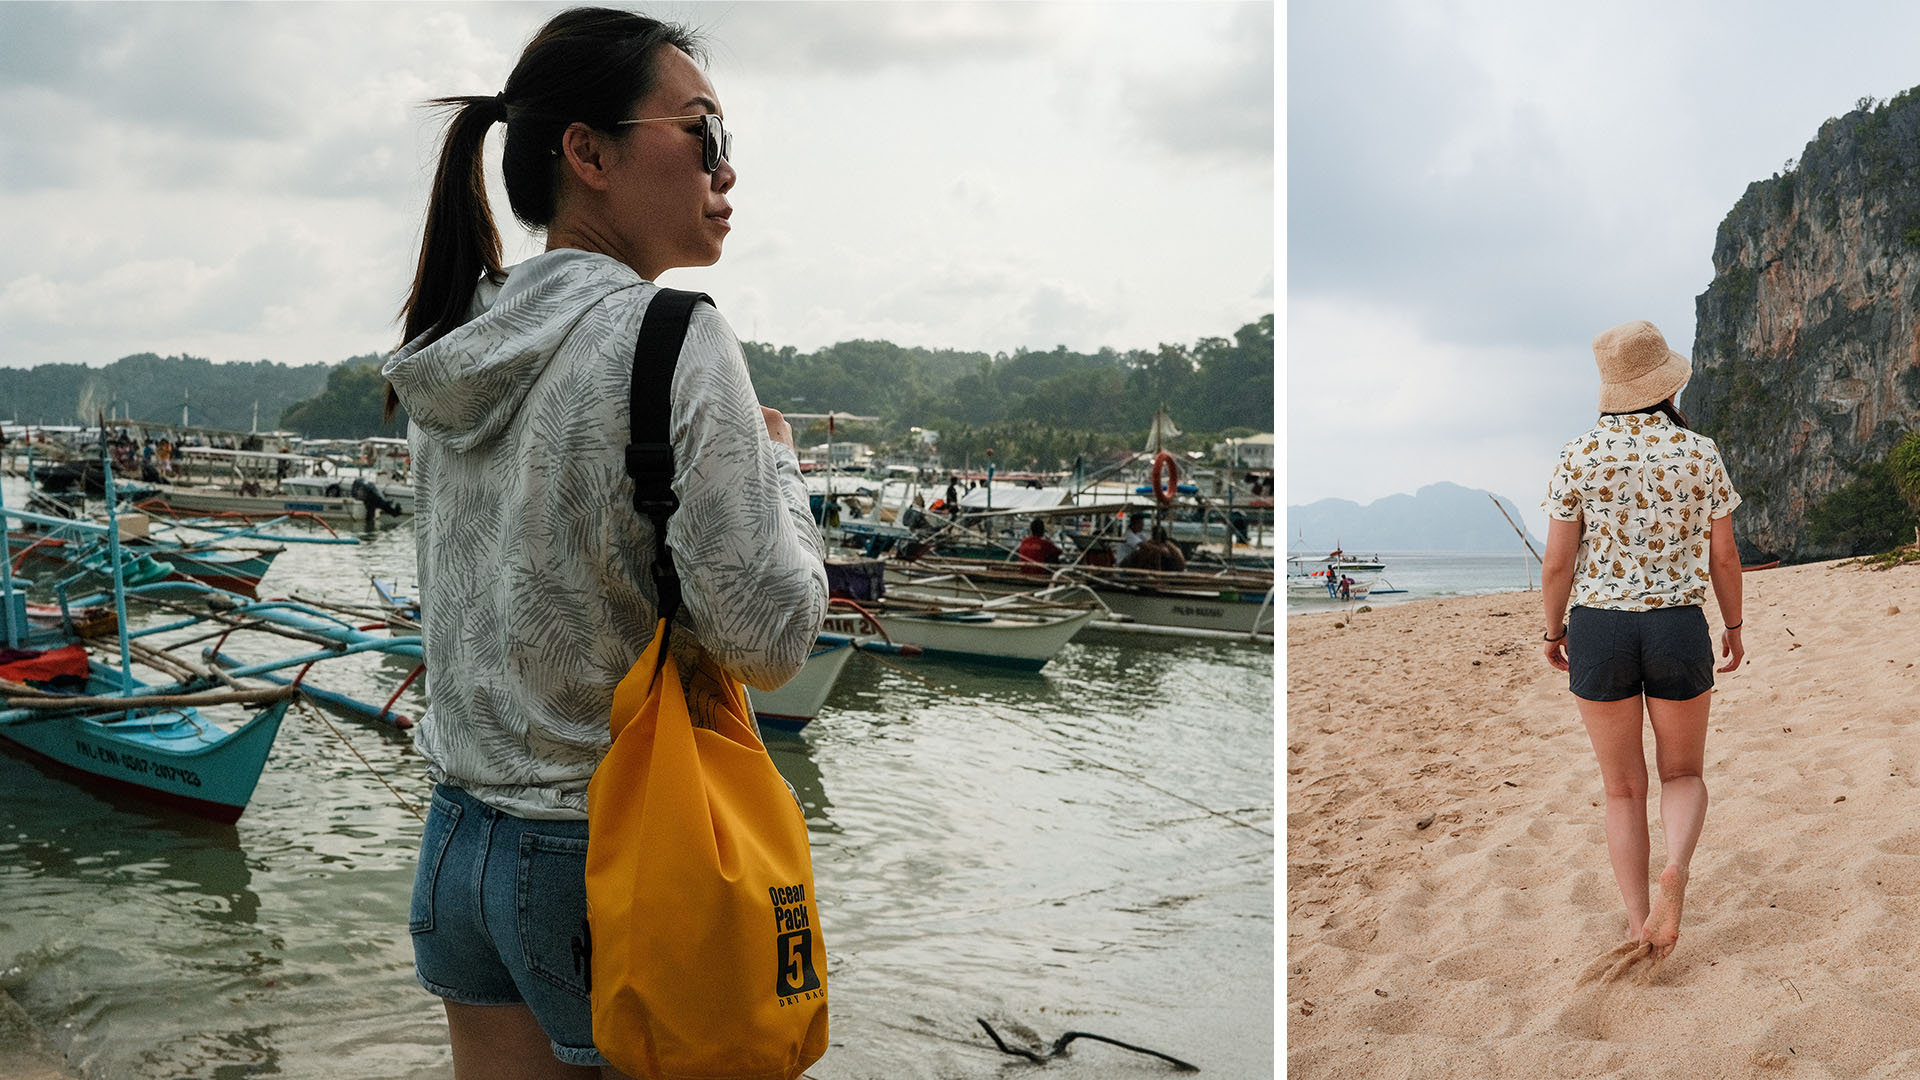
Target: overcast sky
x,y
248,181
1474,190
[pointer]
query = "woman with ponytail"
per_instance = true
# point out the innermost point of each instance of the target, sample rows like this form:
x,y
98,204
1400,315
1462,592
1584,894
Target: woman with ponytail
x,y
534,568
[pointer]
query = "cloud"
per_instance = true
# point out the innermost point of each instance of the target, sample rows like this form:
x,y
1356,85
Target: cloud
x,y
171,67
1220,110
855,39
1374,408
1494,206
244,181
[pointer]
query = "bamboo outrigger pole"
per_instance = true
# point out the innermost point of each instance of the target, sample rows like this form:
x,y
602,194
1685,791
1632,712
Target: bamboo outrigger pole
x,y
1516,528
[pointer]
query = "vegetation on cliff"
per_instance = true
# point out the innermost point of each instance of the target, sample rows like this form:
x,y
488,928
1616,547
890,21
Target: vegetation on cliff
x,y
350,406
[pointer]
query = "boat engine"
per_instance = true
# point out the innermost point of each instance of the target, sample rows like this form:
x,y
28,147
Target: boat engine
x,y
369,494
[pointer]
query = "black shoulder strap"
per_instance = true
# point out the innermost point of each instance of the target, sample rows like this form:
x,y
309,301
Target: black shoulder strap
x,y
650,441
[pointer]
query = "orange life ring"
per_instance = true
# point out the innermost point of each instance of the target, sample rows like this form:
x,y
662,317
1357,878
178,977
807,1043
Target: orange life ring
x,y
1164,478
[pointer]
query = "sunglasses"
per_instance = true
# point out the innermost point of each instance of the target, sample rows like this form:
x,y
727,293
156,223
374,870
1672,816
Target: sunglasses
x,y
717,140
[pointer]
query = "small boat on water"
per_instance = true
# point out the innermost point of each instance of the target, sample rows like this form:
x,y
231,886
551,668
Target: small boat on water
x,y
1001,638
83,564
169,753
1332,580
1225,603
152,733
795,705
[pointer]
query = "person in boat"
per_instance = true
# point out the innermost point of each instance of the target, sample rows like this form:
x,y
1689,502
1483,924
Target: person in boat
x,y
534,567
1641,525
1158,553
1136,535
1036,549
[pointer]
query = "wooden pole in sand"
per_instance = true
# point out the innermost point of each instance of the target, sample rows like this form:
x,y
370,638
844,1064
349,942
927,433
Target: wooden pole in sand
x,y
1523,538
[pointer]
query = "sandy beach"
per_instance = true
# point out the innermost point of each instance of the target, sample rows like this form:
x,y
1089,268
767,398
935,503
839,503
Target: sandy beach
x,y
1459,949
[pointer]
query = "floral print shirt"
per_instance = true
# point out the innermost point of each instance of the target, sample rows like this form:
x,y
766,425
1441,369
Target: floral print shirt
x,y
1646,492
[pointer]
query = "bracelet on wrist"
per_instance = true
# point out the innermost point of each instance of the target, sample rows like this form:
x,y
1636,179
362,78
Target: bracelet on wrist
x,y
1550,640
1738,625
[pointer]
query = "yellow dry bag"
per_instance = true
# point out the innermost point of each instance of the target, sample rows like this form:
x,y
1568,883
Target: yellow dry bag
x,y
707,955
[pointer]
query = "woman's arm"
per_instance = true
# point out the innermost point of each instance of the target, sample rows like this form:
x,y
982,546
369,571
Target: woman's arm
x,y
750,558
1556,586
1723,566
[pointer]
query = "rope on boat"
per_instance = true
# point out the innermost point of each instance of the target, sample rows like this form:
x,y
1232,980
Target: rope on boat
x,y
1060,1046
401,799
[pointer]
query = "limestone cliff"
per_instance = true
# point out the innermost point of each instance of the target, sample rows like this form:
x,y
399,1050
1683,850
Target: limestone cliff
x,y
1806,353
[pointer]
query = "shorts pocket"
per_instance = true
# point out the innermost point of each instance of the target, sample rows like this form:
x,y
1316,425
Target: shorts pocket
x,y
553,911
442,818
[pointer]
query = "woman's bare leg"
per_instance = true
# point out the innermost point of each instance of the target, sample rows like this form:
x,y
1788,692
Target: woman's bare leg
x,y
1614,729
505,1042
1680,749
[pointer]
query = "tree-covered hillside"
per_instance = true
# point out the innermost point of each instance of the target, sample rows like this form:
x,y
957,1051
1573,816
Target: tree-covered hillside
x,y
351,405
1034,410
152,388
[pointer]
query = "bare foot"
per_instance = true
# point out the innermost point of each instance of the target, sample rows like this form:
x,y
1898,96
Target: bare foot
x,y
1662,929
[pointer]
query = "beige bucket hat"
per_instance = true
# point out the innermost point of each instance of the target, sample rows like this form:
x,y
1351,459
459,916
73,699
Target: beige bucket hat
x,y
1637,369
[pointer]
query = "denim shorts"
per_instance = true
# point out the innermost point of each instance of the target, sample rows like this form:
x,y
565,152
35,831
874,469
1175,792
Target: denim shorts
x,y
1666,653
499,916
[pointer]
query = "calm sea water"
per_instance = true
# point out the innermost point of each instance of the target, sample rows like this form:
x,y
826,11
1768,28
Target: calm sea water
x,y
1429,574
1023,848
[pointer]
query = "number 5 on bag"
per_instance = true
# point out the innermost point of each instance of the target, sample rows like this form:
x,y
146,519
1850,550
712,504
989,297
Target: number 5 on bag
x,y
707,955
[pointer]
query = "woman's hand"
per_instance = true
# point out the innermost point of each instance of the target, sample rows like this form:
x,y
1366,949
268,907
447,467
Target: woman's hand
x,y
777,427
1730,647
1556,651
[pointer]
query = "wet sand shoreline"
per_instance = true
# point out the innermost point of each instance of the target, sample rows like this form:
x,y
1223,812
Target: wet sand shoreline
x,y
1455,949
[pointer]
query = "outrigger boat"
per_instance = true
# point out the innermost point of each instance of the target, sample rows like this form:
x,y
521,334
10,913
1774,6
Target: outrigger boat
x,y
1011,631
1228,603
149,733
795,704
148,559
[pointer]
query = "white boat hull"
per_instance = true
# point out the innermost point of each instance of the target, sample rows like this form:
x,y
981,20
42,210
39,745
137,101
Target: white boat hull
x,y
795,704
1224,610
1002,641
192,501
398,493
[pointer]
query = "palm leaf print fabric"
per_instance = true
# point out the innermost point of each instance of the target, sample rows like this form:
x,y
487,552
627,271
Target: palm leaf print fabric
x,y
1646,492
535,570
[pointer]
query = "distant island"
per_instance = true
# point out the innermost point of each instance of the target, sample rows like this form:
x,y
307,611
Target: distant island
x,y
1438,517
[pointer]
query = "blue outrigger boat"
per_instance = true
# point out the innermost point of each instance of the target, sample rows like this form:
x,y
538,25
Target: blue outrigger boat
x,y
149,735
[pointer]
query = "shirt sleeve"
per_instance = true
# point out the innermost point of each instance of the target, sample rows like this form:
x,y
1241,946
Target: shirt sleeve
x,y
750,558
1563,491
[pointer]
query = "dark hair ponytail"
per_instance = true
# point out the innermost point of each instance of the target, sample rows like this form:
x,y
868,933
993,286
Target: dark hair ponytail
x,y
586,65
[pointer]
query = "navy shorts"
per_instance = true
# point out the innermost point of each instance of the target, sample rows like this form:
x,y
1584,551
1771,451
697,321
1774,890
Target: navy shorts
x,y
499,916
1666,653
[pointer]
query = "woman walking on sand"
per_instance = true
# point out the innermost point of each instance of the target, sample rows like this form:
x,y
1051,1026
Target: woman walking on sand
x,y
1642,523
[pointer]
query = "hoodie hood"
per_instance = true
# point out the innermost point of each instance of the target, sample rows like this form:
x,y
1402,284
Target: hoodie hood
x,y
465,387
